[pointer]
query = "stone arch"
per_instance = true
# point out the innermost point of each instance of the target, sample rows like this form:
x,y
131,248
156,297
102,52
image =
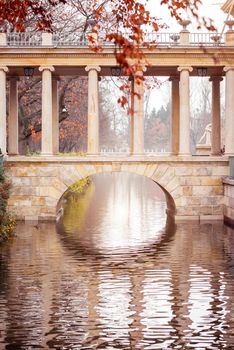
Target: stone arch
x,y
193,189
162,174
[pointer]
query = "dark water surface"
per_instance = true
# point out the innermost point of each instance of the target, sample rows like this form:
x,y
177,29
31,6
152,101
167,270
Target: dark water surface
x,y
117,275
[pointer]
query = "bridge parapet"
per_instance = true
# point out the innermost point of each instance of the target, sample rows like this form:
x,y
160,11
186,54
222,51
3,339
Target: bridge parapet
x,y
76,39
193,185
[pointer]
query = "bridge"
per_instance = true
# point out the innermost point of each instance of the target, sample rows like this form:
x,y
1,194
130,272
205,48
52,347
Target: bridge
x,y
193,184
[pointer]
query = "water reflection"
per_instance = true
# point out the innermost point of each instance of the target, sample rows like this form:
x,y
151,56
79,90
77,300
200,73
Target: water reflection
x,y
118,211
175,293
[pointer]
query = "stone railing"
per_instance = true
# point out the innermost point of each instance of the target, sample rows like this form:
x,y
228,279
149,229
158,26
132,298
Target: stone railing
x,y
75,39
24,39
207,39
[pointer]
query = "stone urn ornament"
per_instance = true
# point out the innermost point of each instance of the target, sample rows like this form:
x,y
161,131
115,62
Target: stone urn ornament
x,y
184,23
230,24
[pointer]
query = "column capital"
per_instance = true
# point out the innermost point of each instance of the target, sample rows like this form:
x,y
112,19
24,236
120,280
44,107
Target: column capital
x,y
228,68
216,78
96,68
188,68
4,69
174,78
50,68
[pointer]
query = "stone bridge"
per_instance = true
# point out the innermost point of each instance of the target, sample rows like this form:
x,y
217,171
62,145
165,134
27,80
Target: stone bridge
x,y
193,185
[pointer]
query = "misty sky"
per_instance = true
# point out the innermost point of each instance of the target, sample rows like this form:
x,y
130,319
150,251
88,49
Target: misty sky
x,y
210,8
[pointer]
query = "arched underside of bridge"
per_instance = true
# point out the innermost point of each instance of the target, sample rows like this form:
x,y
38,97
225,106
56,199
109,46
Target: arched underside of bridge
x,y
193,189
171,208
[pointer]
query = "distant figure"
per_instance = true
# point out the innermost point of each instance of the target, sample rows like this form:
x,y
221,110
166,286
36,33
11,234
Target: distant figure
x,y
223,150
206,136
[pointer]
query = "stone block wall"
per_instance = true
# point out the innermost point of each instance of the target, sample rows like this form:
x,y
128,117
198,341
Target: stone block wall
x,y
229,200
201,191
193,186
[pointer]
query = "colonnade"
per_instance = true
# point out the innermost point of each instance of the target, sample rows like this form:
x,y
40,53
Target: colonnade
x,y
180,143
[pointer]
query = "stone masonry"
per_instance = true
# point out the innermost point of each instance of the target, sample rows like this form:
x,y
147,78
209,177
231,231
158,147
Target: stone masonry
x,y
229,200
193,185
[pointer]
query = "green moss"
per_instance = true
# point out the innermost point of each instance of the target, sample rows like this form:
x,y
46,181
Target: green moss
x,y
77,200
79,186
76,207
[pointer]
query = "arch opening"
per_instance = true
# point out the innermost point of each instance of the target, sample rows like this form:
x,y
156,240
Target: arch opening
x,y
117,210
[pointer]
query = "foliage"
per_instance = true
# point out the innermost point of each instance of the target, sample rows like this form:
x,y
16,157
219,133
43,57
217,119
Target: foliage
x,y
7,222
121,22
17,12
72,114
75,203
114,120
80,186
31,153
75,208
157,129
6,228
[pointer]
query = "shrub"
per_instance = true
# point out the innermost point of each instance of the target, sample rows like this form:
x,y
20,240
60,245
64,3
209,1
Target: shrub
x,y
7,222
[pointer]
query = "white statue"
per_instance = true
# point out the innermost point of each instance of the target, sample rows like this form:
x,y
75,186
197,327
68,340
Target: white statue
x,y
206,136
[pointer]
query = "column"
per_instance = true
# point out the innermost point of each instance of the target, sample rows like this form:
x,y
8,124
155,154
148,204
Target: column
x,y
184,128
13,122
47,113
3,71
93,110
137,121
55,112
175,114
229,110
216,121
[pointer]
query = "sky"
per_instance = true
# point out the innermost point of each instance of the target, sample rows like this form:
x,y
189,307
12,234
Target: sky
x,y
209,8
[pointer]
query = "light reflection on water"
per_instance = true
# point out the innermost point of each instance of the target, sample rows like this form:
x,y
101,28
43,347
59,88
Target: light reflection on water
x,y
174,292
118,211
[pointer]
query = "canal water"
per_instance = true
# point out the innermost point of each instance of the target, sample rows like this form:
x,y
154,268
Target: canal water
x,y
116,273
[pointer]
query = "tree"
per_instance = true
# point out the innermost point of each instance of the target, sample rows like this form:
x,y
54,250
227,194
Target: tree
x,y
114,120
72,114
16,13
123,22
7,223
157,129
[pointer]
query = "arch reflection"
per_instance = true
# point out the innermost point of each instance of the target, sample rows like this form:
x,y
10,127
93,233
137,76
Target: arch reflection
x,y
117,211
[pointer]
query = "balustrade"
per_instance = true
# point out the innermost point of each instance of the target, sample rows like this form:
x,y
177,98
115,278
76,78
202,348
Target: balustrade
x,y
180,93
77,39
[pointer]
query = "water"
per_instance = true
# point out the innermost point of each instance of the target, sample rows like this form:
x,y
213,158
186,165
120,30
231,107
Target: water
x,y
109,280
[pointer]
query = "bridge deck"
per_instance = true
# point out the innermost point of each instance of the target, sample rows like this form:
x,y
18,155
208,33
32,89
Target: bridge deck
x,y
116,158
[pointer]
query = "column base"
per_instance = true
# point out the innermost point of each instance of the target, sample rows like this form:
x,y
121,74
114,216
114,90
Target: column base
x,y
13,153
132,154
216,154
47,154
93,154
184,154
